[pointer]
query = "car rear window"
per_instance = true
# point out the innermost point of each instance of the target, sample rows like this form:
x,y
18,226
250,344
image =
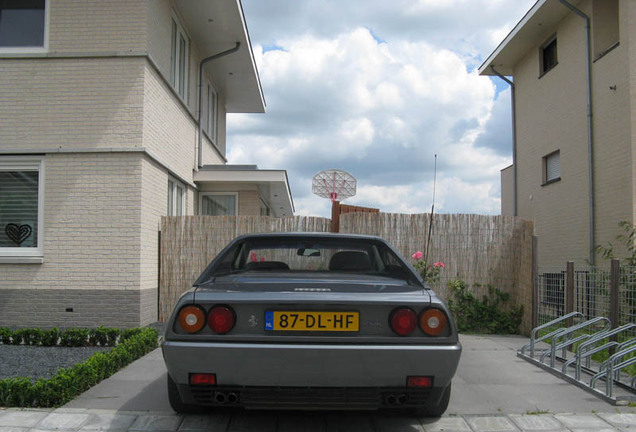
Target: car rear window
x,y
329,254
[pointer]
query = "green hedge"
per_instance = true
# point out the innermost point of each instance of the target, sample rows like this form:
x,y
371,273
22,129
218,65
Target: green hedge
x,y
69,383
73,337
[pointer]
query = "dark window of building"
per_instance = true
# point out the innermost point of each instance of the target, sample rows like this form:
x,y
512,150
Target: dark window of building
x,y
549,55
22,23
552,167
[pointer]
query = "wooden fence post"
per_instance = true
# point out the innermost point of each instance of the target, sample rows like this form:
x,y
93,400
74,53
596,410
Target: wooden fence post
x,y
569,291
335,216
615,279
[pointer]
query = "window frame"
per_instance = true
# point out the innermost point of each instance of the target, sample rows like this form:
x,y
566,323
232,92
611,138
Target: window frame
x,y
172,206
206,194
543,68
24,254
211,112
544,162
34,49
179,78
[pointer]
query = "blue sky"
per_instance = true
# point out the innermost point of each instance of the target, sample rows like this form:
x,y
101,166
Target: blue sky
x,y
378,88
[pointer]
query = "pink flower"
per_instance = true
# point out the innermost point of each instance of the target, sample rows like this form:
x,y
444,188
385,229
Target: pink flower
x,y
417,255
439,264
262,259
253,257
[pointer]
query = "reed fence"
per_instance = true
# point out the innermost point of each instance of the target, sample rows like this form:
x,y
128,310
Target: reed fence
x,y
483,251
189,243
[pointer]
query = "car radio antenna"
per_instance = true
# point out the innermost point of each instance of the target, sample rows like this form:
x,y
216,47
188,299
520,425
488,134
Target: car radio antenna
x,y
430,222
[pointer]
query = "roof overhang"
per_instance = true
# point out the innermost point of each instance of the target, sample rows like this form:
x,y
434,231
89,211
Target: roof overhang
x,y
533,29
273,185
215,26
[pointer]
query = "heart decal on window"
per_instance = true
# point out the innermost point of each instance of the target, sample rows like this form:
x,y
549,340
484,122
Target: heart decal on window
x,y
18,233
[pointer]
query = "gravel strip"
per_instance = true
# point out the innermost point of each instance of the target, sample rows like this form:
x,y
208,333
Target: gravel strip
x,y
40,362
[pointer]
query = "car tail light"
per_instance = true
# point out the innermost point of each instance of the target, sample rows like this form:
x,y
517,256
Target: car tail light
x,y
191,318
433,322
202,379
419,381
221,319
403,321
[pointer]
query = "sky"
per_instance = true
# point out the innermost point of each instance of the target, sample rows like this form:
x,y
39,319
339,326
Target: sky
x,y
377,88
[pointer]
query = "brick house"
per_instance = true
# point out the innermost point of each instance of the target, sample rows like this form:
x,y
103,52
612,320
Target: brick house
x,y
573,65
104,128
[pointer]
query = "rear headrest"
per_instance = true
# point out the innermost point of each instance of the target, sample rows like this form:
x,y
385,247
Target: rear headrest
x,y
350,261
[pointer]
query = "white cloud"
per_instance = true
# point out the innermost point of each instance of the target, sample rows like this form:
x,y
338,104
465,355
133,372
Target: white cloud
x,y
363,87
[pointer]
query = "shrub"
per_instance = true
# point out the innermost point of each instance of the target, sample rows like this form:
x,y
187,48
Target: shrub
x,y
101,336
489,315
70,382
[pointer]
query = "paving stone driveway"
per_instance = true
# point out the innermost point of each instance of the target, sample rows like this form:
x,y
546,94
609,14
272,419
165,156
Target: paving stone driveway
x,y
492,391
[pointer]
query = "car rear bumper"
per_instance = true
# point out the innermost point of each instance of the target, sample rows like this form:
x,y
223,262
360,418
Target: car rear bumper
x,y
363,376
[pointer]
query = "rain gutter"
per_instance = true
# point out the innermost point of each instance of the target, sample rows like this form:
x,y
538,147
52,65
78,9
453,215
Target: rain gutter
x,y
203,63
590,130
514,136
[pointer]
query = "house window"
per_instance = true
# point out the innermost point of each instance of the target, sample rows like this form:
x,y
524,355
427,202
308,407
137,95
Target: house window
x,y
552,167
605,26
218,204
211,113
549,55
179,58
21,201
23,25
176,198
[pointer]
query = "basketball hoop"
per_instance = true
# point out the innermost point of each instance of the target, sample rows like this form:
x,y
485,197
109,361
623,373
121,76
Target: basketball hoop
x,y
334,184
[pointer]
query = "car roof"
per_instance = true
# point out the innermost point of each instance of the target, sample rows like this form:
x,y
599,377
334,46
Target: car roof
x,y
310,234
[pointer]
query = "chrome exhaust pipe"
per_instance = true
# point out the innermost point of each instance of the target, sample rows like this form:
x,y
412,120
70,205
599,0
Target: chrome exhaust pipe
x,y
220,398
232,398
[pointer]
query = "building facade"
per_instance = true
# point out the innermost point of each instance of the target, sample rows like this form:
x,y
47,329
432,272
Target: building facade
x,y
573,69
101,110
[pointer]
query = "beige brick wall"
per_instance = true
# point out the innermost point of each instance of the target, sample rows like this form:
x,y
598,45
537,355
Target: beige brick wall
x,y
102,208
91,225
154,193
159,37
249,203
507,191
167,129
71,103
98,25
551,115
159,34
614,178
628,35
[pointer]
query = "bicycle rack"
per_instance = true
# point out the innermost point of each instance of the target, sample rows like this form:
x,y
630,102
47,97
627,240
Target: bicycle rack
x,y
586,338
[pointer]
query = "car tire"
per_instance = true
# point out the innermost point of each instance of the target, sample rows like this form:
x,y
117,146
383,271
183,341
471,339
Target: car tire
x,y
438,409
175,399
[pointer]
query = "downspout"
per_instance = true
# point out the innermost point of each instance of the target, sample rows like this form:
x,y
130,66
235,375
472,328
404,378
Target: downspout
x,y
590,130
203,63
514,136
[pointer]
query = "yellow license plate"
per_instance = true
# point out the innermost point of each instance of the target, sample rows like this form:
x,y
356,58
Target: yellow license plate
x,y
312,321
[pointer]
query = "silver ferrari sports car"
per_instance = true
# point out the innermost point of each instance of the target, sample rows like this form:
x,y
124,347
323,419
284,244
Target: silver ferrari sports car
x,y
310,321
